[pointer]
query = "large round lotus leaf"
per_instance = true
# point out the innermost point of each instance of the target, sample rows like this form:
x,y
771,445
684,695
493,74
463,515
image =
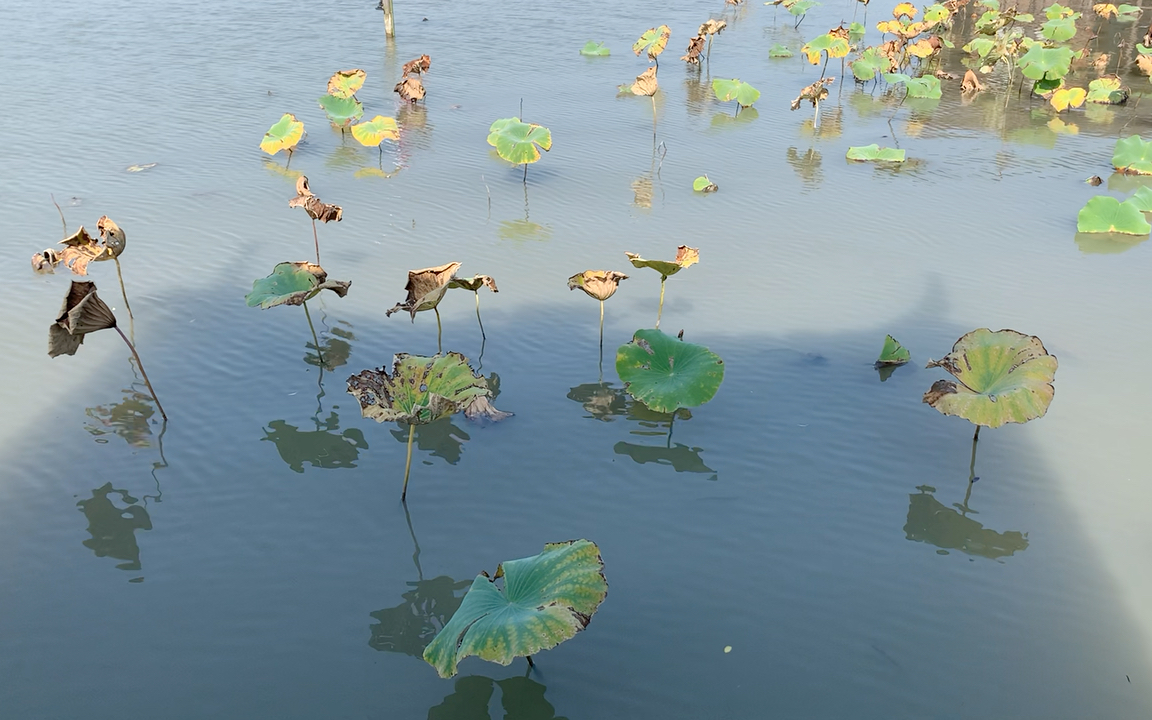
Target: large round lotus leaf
x,y
376,131
1105,214
341,111
1059,30
1133,155
741,92
516,141
1001,377
665,373
1041,63
421,390
283,135
345,83
1107,91
546,599
835,45
291,283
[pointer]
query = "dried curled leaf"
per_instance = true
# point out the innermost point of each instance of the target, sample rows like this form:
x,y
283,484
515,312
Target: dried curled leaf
x,y
695,47
685,257
292,283
970,84
112,236
599,284
45,262
80,248
473,283
426,288
82,312
345,83
646,83
711,27
814,93
410,89
312,205
419,65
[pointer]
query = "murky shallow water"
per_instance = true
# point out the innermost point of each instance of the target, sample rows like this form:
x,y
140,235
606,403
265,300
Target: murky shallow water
x,y
250,559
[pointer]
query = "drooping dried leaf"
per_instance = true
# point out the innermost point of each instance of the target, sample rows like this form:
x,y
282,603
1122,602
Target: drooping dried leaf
x,y
81,313
685,257
426,289
421,390
814,93
1144,63
345,83
419,65
840,32
599,284
45,262
473,283
653,41
711,27
646,83
695,47
1101,62
410,89
112,236
312,205
971,84
80,248
291,283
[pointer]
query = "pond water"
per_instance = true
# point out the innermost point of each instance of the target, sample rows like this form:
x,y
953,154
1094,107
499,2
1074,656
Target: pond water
x,y
251,559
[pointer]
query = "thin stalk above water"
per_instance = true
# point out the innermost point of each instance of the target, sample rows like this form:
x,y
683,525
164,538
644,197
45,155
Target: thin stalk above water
x,y
439,346
661,310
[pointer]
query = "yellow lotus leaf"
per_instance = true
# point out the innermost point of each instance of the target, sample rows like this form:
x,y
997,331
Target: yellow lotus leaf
x,y
376,131
646,83
345,83
911,30
1065,98
922,48
890,26
1060,127
284,135
905,9
1105,10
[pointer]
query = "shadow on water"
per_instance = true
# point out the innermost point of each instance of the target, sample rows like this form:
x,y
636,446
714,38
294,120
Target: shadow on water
x,y
521,698
113,529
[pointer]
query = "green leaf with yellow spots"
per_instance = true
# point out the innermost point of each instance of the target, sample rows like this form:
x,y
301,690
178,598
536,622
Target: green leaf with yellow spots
x,y
545,600
519,142
421,390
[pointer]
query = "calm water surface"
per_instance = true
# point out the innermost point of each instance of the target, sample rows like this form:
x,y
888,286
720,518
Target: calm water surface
x,y
250,559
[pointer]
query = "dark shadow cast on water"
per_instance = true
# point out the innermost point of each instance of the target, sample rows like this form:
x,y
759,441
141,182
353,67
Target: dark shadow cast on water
x,y
113,529
521,698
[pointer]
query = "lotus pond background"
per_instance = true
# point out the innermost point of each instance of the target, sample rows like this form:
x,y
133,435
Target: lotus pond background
x,y
251,558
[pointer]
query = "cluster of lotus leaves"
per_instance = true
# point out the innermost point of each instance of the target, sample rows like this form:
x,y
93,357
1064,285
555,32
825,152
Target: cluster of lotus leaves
x,y
421,390
546,599
284,134
292,283
665,373
741,92
517,141
1000,377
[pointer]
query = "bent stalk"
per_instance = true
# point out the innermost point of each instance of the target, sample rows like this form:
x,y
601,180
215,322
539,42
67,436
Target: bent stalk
x,y
478,320
140,364
407,464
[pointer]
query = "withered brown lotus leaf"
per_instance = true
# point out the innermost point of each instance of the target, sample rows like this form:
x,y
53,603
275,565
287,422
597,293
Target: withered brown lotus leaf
x,y
81,313
45,262
474,283
971,83
711,27
112,236
599,284
410,89
813,93
426,288
80,248
419,65
695,48
646,83
312,205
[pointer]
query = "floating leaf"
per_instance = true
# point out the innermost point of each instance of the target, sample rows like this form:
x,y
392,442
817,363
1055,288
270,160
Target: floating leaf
x,y
652,41
421,390
517,141
1001,377
376,131
595,49
283,135
426,288
1107,91
410,89
834,45
734,89
1105,214
546,599
345,83
666,374
599,284
893,353
1142,199
646,83
1041,63
921,87
703,184
685,257
1133,156
1065,98
876,153
779,51
341,111
292,283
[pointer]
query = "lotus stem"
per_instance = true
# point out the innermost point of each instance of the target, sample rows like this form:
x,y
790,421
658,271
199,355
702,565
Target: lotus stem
x,y
660,311
140,364
708,53
439,347
289,162
972,465
316,240
407,464
976,435
314,338
123,292
525,175
62,222
601,328
816,119
529,659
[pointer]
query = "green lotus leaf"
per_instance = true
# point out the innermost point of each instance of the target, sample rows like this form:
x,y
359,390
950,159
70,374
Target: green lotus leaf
x,y
922,87
1001,377
421,390
283,135
1133,156
1041,63
595,49
870,64
1055,11
856,32
779,51
876,153
685,257
1142,199
375,131
1104,214
342,112
893,353
801,7
291,283
737,90
345,83
703,184
1130,10
1107,91
665,373
546,599
935,14
654,40
1059,30
980,46
517,141
834,45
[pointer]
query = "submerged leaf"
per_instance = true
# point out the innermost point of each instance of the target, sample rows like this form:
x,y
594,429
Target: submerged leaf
x,y
426,288
345,83
893,353
599,284
1106,214
652,41
595,49
779,51
666,374
546,599
685,257
421,390
876,153
292,283
375,131
1001,377
517,141
284,134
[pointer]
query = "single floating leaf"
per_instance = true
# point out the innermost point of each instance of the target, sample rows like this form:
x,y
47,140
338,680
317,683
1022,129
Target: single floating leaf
x,y
653,41
741,92
345,83
595,49
598,284
875,153
893,353
284,134
1107,90
704,185
376,131
292,283
1001,377
341,111
1142,199
1065,98
426,288
779,51
1106,214
517,141
666,374
546,599
421,390
1133,156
